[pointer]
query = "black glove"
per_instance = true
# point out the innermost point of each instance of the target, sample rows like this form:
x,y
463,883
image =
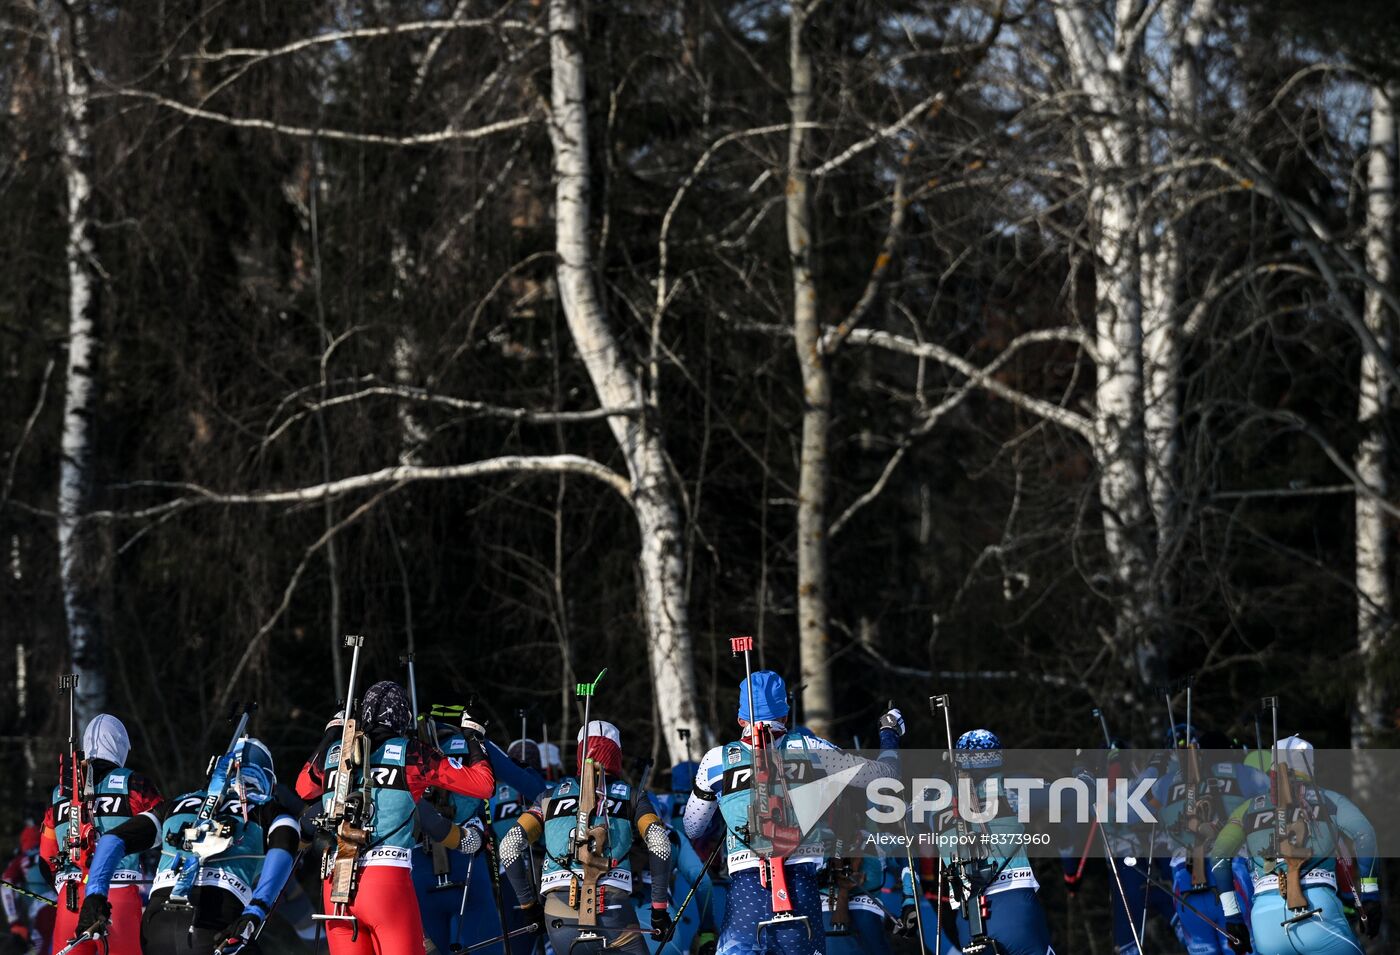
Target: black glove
x,y
244,929
893,720
907,925
1371,908
1237,934
476,749
95,915
661,924
530,915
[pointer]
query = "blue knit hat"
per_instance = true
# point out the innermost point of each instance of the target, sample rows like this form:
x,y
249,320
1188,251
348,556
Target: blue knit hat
x,y
978,749
770,698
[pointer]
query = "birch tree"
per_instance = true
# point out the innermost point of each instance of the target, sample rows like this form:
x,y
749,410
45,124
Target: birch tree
x,y
654,496
813,467
1103,75
1374,601
1163,239
80,558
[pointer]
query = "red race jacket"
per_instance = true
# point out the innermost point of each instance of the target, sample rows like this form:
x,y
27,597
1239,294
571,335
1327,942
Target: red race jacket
x,y
426,768
141,796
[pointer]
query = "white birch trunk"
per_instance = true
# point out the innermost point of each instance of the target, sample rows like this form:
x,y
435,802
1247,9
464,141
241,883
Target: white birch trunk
x,y
1164,234
812,613
79,558
1119,444
1373,590
654,497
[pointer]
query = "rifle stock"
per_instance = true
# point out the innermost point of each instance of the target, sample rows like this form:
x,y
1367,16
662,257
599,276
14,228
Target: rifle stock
x,y
345,815
592,851
1193,815
1291,852
1287,833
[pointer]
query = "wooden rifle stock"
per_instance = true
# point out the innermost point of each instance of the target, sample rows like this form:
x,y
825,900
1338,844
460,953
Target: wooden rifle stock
x,y
591,847
842,874
350,835
1288,833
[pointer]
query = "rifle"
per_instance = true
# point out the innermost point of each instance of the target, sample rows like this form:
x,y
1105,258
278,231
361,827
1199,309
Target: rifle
x,y
1289,847
767,809
348,813
1194,803
209,836
427,735
842,881
77,842
971,866
590,841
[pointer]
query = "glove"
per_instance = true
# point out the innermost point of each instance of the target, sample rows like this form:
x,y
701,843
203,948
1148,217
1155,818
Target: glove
x,y
336,721
468,840
244,929
530,915
661,924
95,915
472,728
907,925
893,720
1371,908
1237,934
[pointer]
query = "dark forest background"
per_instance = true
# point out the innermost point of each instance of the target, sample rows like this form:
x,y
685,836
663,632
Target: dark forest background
x,y
282,273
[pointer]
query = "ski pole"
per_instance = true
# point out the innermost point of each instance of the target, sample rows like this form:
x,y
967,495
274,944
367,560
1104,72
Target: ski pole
x,y
21,890
1108,850
694,885
1103,724
462,907
1210,923
88,936
916,887
914,882
514,933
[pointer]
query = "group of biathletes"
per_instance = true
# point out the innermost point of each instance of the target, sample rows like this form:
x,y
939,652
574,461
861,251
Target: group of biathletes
x,y
429,837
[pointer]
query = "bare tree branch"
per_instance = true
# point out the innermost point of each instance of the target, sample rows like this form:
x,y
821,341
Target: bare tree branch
x,y
506,464
482,408
258,54
339,135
